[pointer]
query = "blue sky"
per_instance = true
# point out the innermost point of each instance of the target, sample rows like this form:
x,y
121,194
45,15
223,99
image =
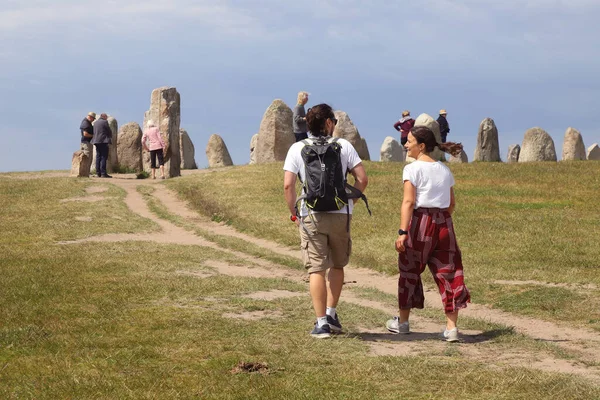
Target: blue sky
x,y
522,63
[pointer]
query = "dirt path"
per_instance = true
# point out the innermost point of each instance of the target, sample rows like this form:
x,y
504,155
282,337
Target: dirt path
x,y
585,343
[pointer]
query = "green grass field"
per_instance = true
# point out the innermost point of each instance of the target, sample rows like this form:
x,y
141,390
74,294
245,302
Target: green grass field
x,y
138,320
533,221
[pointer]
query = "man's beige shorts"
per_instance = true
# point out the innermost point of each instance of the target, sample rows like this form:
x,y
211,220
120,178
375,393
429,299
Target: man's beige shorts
x,y
327,243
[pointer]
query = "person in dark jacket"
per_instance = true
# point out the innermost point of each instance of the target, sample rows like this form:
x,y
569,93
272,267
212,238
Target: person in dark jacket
x,y
102,138
444,127
404,125
299,120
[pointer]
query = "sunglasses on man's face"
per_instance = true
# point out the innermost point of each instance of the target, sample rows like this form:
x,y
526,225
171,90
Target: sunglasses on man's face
x,y
334,120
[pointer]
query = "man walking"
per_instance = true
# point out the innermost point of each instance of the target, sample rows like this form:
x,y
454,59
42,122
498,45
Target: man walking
x,y
102,138
444,127
87,132
324,235
299,121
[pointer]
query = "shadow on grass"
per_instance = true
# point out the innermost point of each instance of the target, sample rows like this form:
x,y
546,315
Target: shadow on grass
x,y
425,336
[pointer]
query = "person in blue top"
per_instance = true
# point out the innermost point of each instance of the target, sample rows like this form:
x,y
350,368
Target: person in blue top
x,y
87,132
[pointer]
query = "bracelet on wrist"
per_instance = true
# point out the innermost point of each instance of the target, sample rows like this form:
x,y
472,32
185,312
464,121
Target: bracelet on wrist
x,y
402,232
293,218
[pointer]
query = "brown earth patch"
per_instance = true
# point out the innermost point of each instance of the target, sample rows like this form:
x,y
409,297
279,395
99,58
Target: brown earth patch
x,y
254,315
273,295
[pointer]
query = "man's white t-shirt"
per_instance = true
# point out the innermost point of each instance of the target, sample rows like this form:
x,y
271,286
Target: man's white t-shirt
x,y
433,181
294,163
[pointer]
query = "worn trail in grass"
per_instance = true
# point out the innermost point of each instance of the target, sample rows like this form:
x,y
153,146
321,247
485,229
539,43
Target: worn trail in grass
x,y
584,344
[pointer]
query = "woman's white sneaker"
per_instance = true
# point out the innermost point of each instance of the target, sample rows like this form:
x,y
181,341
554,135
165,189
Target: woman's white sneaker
x,y
451,335
393,325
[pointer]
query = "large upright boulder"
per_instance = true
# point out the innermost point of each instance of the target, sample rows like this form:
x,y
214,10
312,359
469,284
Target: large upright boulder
x,y
253,143
432,124
275,135
513,153
113,159
186,150
345,129
593,152
537,146
488,148
80,164
165,112
217,153
129,149
391,150
573,148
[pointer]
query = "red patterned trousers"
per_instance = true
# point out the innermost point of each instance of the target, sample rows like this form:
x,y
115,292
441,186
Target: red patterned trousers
x,y
431,241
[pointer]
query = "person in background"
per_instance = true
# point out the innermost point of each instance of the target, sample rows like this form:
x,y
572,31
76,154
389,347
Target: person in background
x,y
152,141
404,125
299,120
444,127
87,132
426,235
102,138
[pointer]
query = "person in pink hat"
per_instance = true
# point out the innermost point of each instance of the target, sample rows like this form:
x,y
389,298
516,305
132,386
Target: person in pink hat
x,y
152,141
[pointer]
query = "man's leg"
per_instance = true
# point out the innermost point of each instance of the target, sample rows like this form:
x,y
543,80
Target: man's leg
x,y
318,292
98,157
334,289
103,158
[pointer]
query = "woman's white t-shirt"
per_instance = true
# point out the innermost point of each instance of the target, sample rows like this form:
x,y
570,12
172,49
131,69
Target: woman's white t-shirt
x,y
433,181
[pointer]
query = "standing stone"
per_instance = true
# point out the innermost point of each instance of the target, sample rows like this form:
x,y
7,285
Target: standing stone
x,y
112,163
217,153
462,158
345,129
391,150
129,149
187,151
275,135
253,143
79,164
429,122
488,148
593,152
537,146
573,148
165,111
513,153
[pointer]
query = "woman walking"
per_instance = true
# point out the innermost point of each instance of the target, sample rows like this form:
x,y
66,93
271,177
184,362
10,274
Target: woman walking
x,y
156,146
426,235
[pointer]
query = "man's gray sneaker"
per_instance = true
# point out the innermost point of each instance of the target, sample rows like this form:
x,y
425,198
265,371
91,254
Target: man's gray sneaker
x,y
322,332
334,324
393,325
451,335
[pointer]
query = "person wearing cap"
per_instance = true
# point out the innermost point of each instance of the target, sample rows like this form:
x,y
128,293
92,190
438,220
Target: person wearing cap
x,y
299,120
404,125
444,127
102,138
87,132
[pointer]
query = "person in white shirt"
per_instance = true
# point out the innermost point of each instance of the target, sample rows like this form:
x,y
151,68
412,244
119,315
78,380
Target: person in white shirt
x,y
324,236
426,235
